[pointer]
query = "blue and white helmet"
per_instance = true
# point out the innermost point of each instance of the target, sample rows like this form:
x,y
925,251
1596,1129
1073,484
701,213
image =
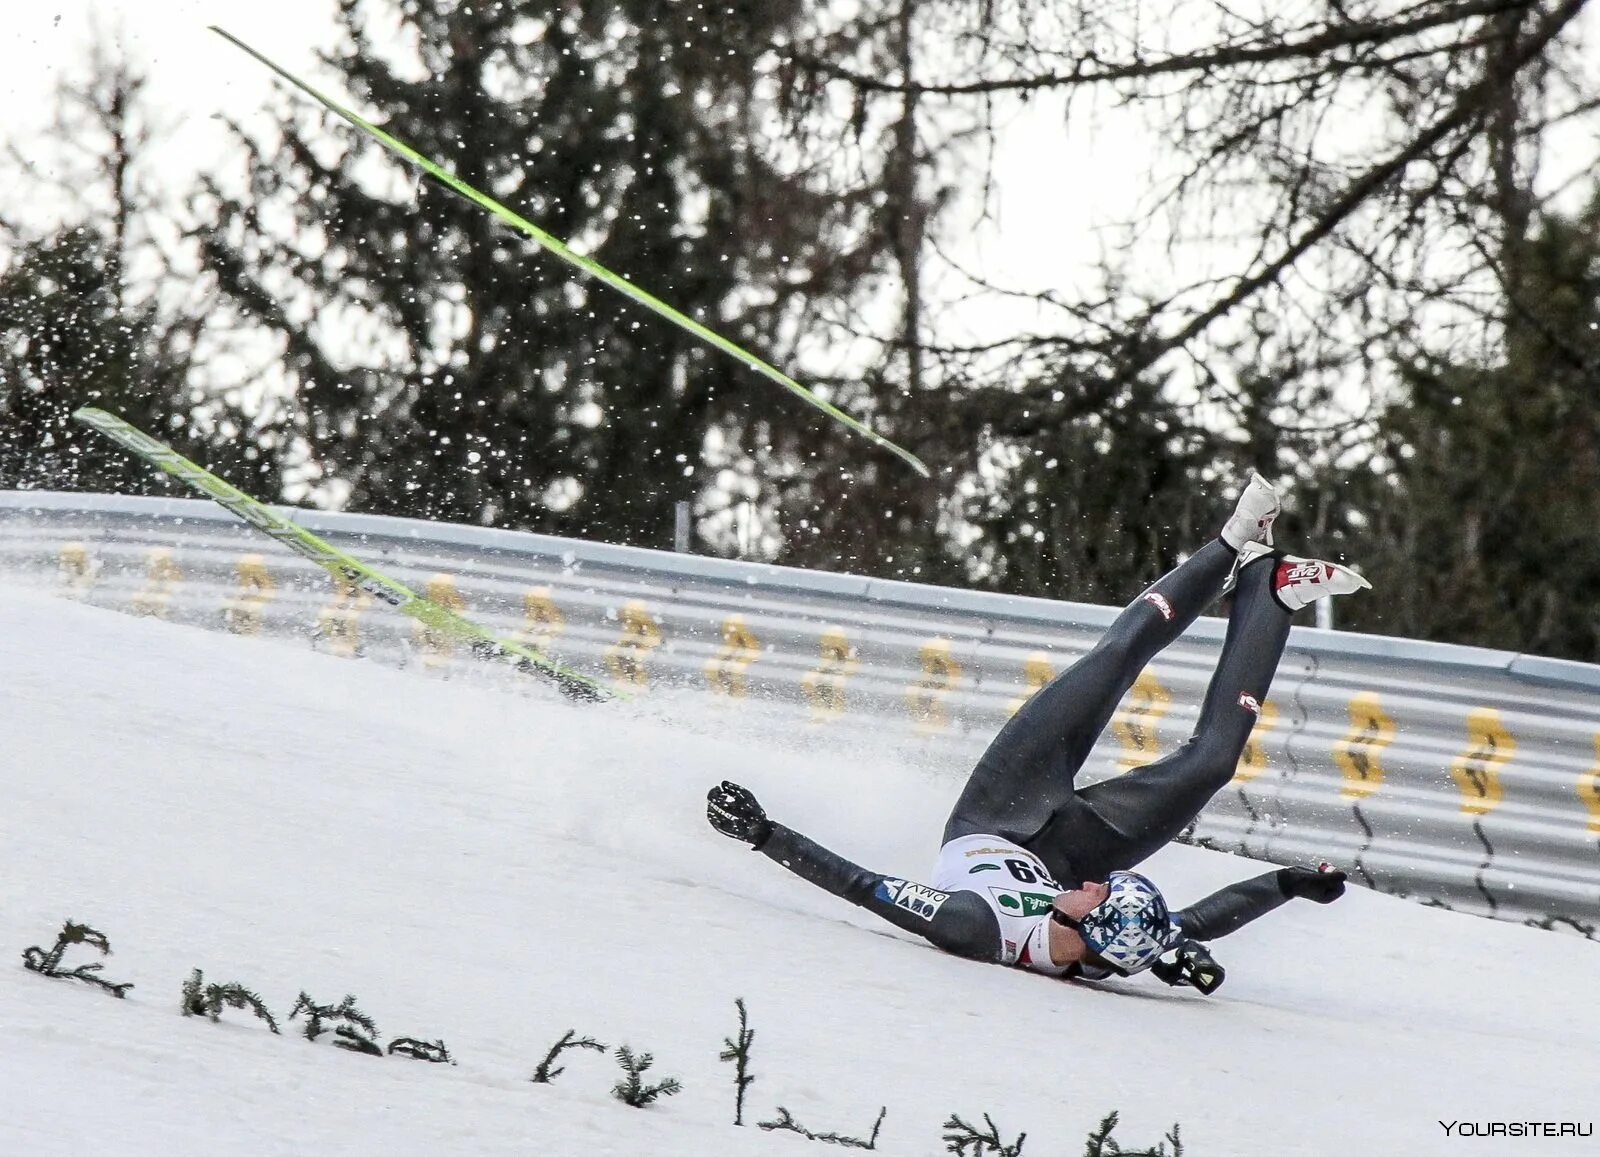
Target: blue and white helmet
x,y
1131,928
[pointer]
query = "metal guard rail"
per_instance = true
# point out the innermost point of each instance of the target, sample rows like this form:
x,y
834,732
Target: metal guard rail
x,y
1455,775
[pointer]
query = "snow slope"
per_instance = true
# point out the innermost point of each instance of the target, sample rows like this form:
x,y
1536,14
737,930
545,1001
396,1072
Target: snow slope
x,y
494,867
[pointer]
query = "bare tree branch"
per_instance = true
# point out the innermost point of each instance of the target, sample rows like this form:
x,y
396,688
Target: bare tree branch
x,y
1090,69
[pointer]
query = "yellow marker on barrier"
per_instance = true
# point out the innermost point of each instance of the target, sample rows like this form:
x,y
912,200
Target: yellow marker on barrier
x,y
641,634
1589,788
542,620
338,623
242,613
1357,754
925,697
1477,769
823,685
1253,760
76,573
1037,670
436,649
725,670
161,575
1135,724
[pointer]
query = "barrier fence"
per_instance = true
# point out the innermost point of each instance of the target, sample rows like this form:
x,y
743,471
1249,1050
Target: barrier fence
x,y
1455,775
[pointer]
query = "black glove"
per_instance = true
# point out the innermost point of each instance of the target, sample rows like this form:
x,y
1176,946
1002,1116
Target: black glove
x,y
1324,885
1192,965
734,812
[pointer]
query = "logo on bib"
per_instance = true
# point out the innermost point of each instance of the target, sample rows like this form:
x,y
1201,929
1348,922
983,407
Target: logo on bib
x,y
975,869
1022,903
917,898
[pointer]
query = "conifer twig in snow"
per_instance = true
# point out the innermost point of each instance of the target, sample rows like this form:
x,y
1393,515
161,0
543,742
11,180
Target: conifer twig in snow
x,y
36,959
787,1124
1101,1143
544,1074
631,1089
208,1000
965,1140
421,1050
738,1051
358,1033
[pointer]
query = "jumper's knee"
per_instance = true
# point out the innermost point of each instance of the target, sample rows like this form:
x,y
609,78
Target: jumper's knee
x,y
1207,765
1120,647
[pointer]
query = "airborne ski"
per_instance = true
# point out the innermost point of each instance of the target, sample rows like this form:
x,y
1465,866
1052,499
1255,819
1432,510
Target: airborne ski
x,y
483,643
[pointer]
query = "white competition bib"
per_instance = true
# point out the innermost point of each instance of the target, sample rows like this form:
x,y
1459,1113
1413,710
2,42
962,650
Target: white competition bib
x,y
1017,888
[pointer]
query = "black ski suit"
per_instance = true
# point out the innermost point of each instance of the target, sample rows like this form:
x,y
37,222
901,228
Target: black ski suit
x,y
1022,789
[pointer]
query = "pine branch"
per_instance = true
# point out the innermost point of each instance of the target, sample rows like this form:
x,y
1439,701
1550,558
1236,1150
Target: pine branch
x,y
36,959
358,1033
787,1124
544,1074
354,1040
421,1050
193,1000
304,1003
238,996
632,1090
208,1000
965,1140
1101,1143
1101,1137
738,1051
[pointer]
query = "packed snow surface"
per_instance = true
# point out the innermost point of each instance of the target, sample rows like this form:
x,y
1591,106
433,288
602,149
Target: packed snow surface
x,y
492,866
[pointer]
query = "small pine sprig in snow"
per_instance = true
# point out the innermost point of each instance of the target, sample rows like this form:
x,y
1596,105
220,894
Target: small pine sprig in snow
x,y
1101,1143
208,1000
787,1124
355,1040
631,1089
544,1074
965,1140
738,1051
36,959
358,1033
421,1050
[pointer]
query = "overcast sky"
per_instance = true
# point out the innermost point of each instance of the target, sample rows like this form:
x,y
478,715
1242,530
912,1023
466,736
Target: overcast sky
x,y
192,72
193,75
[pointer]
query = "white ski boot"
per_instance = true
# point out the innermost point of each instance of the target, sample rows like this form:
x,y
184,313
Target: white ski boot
x,y
1299,582
1251,521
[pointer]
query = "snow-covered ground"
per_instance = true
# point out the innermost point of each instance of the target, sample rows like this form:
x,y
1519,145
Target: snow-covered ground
x,y
494,868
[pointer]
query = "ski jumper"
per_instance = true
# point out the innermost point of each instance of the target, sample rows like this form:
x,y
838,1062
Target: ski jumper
x,y
1021,831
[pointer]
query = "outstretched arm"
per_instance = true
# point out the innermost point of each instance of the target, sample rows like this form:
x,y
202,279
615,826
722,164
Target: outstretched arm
x,y
1230,910
958,922
1236,905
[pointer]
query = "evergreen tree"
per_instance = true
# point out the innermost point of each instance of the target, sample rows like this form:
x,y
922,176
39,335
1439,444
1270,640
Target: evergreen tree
x,y
444,368
82,320
1475,514
1066,482
1093,487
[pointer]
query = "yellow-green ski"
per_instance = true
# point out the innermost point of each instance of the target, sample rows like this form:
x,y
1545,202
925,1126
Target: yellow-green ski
x,y
584,264
485,644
